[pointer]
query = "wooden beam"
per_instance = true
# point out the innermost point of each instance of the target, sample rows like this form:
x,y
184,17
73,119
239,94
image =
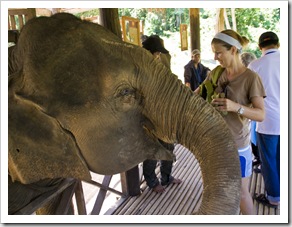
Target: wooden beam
x,y
66,201
109,18
79,196
130,182
45,197
219,20
195,28
23,16
101,195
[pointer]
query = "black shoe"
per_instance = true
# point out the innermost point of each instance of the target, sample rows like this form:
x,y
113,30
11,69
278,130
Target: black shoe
x,y
257,169
261,198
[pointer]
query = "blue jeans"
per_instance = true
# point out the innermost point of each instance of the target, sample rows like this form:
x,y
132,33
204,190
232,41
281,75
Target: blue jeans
x,y
165,169
150,176
269,148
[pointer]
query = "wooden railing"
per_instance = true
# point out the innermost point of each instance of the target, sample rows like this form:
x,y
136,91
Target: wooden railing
x,y
17,18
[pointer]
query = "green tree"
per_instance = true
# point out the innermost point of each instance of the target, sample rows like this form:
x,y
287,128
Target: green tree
x,y
251,22
90,13
158,21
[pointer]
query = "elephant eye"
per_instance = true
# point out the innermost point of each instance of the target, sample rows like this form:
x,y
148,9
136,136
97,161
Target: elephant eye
x,y
125,91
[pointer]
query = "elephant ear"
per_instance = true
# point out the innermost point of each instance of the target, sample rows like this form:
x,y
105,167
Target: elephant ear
x,y
39,147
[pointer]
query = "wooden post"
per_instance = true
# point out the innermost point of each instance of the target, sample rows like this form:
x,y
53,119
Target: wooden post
x,y
80,201
109,18
101,195
195,28
130,182
219,20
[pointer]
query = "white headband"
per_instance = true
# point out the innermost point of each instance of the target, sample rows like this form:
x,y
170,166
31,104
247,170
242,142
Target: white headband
x,y
228,39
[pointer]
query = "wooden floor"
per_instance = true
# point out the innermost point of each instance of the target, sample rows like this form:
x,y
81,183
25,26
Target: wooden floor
x,y
183,199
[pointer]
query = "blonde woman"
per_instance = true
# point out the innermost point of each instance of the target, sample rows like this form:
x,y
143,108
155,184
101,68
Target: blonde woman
x,y
244,100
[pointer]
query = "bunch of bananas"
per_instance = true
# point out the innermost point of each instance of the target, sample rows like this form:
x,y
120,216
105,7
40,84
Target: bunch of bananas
x,y
219,95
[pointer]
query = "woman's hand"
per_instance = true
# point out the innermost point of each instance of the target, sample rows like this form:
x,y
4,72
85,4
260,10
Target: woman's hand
x,y
255,113
223,105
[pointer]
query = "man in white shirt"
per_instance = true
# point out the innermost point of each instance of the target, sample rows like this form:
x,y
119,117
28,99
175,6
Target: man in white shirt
x,y
268,131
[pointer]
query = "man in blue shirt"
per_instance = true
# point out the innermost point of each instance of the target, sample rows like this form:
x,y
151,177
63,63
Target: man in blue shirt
x,y
195,72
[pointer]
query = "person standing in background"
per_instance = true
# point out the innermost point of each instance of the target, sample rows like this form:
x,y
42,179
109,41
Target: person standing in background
x,y
268,131
155,45
247,58
195,72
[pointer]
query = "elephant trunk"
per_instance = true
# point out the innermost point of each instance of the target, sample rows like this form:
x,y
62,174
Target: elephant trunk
x,y
185,118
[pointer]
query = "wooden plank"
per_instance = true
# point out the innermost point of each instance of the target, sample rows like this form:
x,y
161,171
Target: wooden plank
x,y
130,182
252,185
181,169
148,197
20,21
107,188
101,195
197,201
144,197
160,203
191,195
185,198
43,199
66,200
116,206
260,190
193,182
80,201
12,23
187,174
182,195
157,204
24,15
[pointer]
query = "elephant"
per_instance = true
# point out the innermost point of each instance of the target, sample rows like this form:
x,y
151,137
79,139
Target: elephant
x,y
80,99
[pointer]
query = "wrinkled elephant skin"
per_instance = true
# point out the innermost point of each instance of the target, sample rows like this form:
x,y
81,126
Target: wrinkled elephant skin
x,y
80,99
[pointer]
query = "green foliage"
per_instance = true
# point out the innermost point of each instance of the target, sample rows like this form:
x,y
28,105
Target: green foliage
x,y
257,18
252,22
139,13
204,14
158,21
94,12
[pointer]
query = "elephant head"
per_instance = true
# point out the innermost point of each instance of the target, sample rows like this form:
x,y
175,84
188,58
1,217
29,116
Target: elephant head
x,y
81,99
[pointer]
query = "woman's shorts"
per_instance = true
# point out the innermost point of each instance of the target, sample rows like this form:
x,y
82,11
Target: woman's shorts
x,y
245,157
